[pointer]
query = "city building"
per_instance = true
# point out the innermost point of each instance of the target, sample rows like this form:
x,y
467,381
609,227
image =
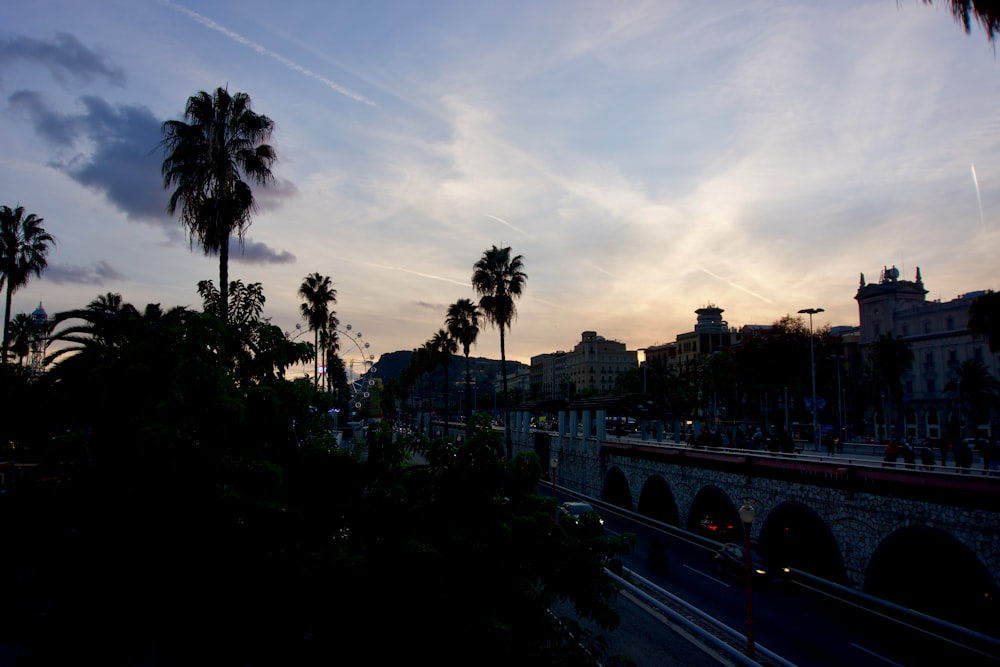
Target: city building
x,y
547,373
591,367
666,352
711,334
596,362
937,333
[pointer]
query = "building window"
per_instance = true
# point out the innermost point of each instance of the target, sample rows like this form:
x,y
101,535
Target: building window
x,y
927,326
877,329
950,323
906,329
930,386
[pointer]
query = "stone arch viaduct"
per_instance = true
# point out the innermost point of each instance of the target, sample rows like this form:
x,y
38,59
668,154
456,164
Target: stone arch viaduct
x,y
922,538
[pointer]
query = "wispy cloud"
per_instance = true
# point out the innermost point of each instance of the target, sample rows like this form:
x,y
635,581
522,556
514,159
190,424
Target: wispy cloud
x,y
264,51
735,285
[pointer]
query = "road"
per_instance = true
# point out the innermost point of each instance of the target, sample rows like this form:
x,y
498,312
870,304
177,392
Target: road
x,y
806,625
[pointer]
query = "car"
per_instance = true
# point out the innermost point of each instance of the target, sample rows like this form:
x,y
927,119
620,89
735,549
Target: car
x,y
710,527
573,510
731,559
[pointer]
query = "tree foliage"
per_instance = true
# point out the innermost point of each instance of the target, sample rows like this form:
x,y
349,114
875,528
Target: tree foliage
x,y
463,326
983,12
499,279
209,157
201,497
984,318
24,248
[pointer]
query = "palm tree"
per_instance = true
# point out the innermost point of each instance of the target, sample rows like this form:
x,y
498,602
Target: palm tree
x,y
984,318
444,347
463,326
318,292
329,342
207,159
498,279
23,335
976,389
890,357
986,14
24,245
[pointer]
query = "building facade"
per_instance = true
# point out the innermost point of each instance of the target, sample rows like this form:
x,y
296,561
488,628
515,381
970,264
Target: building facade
x,y
937,333
591,367
711,334
596,362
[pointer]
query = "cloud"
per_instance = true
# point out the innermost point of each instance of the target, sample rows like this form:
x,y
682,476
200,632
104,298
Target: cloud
x,y
98,274
114,150
255,252
123,161
274,194
65,57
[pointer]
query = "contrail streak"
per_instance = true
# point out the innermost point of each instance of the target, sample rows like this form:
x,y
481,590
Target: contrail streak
x,y
739,287
416,273
504,222
212,25
979,196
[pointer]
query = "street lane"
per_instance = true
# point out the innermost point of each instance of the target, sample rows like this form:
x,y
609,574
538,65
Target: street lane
x,y
806,626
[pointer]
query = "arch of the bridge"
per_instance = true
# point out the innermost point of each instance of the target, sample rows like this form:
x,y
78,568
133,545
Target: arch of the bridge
x,y
794,534
929,570
919,567
791,532
616,490
657,502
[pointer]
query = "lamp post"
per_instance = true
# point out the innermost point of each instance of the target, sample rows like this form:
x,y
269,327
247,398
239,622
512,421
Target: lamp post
x,y
812,364
746,516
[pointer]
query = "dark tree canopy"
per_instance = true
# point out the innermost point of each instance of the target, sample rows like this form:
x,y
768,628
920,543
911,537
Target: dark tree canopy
x,y
985,13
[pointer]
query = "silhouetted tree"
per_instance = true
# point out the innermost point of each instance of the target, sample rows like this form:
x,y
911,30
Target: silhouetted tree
x,y
24,247
499,279
463,325
207,159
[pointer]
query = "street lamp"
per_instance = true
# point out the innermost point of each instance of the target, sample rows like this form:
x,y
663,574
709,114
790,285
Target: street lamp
x,y
746,516
812,363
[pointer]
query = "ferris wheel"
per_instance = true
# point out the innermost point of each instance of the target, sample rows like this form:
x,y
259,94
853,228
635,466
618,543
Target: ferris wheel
x,y
360,379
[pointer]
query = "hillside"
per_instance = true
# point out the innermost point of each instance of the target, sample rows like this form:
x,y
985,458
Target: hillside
x,y
483,370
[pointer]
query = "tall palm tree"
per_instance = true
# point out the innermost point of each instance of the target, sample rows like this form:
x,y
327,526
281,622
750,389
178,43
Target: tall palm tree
x,y
444,347
207,161
498,279
23,335
318,292
463,325
890,357
329,341
976,389
24,245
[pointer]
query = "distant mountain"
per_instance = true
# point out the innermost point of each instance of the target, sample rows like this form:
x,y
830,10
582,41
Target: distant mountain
x,y
483,370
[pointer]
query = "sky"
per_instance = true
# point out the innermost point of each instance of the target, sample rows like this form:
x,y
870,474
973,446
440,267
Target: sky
x,y
645,159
